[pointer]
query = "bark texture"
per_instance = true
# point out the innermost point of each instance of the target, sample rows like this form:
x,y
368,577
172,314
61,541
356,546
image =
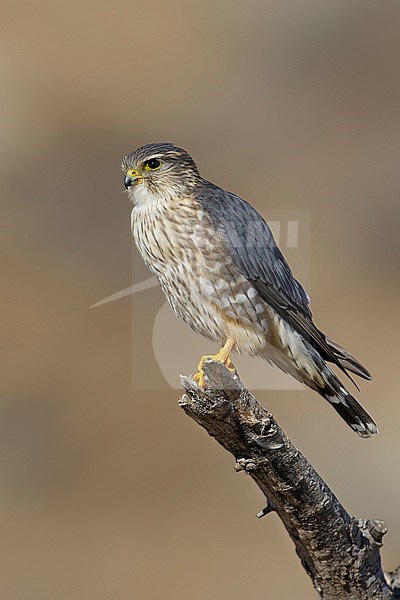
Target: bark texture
x,y
341,554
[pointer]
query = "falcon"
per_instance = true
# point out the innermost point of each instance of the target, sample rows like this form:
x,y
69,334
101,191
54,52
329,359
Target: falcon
x,y
222,272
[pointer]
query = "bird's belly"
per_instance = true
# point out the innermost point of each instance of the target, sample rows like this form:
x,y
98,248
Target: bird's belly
x,y
180,284
213,310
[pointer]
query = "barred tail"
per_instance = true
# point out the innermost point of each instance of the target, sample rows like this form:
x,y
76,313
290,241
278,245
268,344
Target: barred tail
x,y
348,408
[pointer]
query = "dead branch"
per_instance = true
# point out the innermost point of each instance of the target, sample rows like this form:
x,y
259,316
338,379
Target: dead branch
x,y
340,553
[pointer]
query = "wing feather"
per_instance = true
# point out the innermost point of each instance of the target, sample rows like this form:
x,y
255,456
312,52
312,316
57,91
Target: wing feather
x,y
253,249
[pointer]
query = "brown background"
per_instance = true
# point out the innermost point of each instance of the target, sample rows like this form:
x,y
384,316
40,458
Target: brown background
x,y
109,493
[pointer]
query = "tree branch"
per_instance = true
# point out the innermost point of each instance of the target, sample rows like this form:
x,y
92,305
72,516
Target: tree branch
x,y
341,554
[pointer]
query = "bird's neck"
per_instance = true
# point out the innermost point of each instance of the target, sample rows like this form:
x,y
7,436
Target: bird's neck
x,y
146,195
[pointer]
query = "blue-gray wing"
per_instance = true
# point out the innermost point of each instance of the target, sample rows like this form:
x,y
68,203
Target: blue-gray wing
x,y
252,245
253,250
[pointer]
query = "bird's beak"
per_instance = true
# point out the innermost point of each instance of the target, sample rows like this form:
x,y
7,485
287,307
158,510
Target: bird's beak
x,y
132,178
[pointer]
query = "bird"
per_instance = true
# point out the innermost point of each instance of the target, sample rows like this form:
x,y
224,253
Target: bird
x,y
223,274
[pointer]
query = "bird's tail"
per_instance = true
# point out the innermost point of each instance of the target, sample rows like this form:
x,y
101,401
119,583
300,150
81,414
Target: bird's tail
x,y
348,361
348,408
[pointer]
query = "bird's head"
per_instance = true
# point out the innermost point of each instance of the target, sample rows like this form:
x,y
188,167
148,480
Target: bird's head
x,y
159,171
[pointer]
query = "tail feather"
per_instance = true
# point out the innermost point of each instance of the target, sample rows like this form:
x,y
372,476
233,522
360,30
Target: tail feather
x,y
348,408
347,360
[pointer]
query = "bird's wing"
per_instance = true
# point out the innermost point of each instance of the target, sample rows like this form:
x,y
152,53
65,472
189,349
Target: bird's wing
x,y
254,252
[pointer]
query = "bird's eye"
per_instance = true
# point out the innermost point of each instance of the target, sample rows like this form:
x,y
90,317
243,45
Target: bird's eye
x,y
153,164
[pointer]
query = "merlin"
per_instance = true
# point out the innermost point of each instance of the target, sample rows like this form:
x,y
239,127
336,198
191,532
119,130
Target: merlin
x,y
222,272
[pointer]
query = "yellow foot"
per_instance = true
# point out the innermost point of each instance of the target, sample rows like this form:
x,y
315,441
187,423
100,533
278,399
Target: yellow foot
x,y
222,357
199,378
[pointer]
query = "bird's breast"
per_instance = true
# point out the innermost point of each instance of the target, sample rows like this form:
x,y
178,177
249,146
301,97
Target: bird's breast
x,y
172,234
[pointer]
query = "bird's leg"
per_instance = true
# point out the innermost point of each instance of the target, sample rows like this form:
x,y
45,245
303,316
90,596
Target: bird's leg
x,y
222,356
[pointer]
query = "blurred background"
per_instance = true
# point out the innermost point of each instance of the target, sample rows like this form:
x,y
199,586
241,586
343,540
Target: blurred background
x,y
109,492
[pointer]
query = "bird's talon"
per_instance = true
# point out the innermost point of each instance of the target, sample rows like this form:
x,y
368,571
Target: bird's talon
x,y
230,366
199,378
